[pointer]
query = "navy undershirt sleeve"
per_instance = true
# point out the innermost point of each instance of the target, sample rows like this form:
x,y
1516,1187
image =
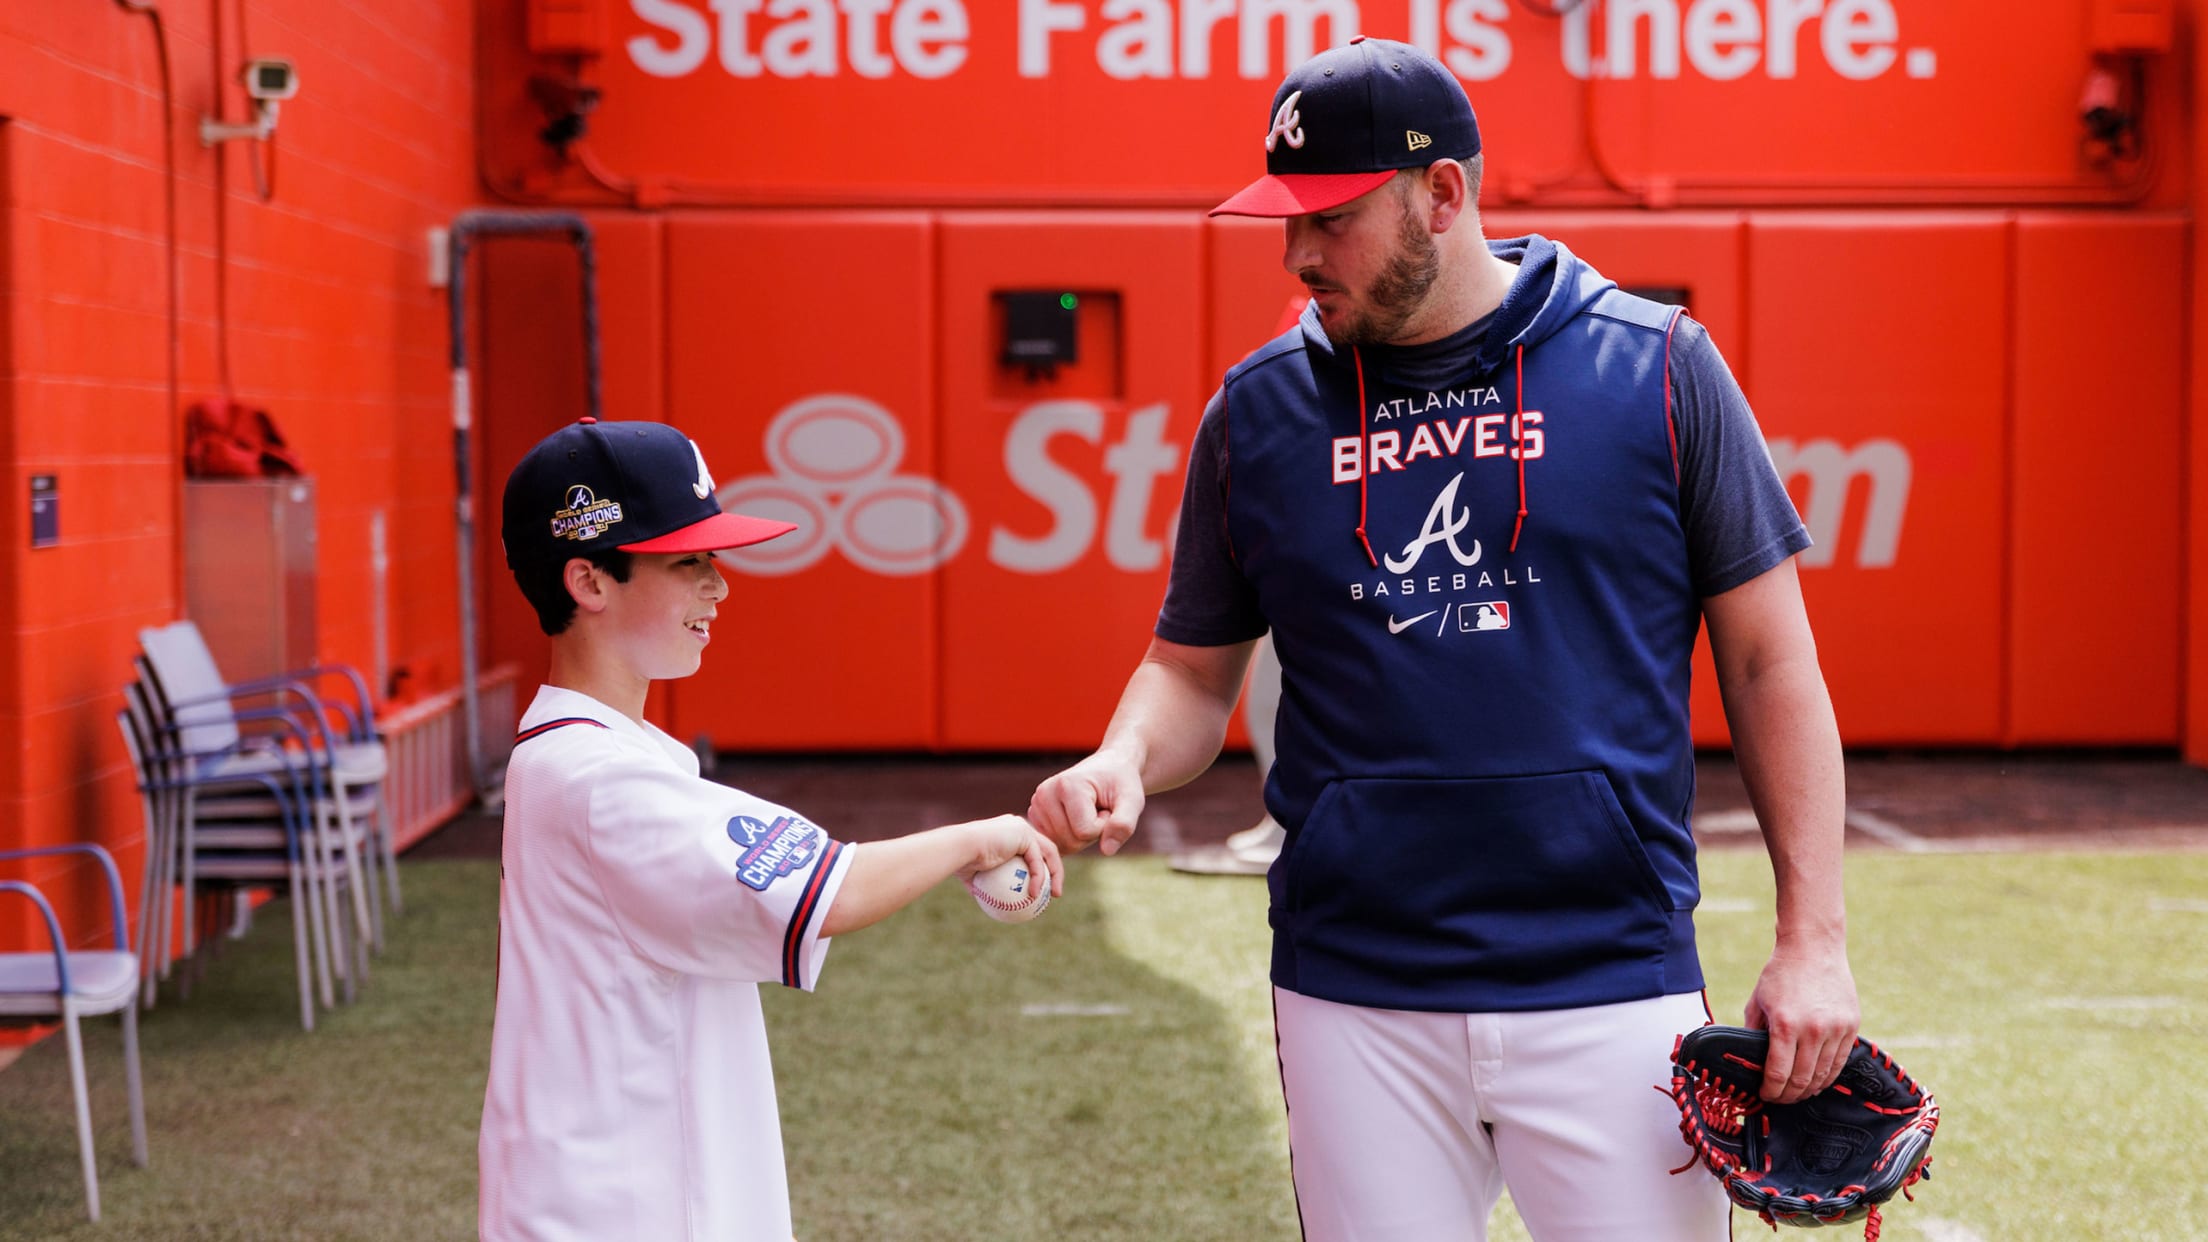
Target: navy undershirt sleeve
x,y
1208,602
1739,522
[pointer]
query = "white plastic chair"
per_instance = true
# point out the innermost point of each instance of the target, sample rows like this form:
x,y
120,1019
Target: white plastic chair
x,y
68,984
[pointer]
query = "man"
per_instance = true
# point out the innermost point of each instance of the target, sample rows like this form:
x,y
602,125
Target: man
x,y
1482,500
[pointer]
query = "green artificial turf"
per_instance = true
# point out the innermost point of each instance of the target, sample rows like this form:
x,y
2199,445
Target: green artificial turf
x,y
1107,1071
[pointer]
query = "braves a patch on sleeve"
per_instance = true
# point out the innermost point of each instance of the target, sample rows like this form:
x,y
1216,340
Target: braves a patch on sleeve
x,y
771,851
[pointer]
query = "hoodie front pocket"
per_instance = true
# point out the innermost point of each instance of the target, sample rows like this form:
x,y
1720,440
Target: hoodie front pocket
x,y
1521,877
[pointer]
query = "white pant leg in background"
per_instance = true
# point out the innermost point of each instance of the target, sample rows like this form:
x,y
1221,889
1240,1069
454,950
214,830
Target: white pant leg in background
x,y
1261,704
1405,1126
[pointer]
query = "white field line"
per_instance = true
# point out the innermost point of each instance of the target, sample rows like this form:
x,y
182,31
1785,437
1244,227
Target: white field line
x,y
1720,822
2113,1002
1727,905
1070,1009
1939,1229
1919,1042
1882,829
1876,827
2153,838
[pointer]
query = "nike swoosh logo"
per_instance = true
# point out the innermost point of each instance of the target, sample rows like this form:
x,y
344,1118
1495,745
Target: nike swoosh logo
x,y
1397,627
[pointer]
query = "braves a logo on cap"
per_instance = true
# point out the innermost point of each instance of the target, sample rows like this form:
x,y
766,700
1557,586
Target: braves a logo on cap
x,y
583,515
1287,124
772,851
704,485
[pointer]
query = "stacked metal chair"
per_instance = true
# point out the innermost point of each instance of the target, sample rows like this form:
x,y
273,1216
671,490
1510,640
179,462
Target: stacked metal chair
x,y
260,784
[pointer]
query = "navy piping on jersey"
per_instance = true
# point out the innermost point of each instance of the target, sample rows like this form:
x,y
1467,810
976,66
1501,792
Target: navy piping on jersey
x,y
793,940
1671,424
549,725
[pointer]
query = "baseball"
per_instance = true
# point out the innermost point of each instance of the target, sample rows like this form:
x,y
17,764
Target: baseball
x,y
1009,893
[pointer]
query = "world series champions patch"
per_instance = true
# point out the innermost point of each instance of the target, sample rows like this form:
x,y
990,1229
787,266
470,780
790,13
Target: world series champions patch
x,y
774,850
584,516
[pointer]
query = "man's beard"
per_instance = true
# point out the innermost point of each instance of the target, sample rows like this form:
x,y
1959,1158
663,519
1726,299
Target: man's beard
x,y
1397,292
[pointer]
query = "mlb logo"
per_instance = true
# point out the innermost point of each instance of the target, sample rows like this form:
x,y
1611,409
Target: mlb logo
x,y
1492,614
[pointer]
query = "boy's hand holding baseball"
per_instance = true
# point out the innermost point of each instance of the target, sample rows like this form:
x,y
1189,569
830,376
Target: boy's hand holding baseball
x,y
1006,837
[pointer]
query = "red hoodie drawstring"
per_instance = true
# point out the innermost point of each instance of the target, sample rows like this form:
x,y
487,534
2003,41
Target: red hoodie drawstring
x,y
1364,455
1518,441
1364,450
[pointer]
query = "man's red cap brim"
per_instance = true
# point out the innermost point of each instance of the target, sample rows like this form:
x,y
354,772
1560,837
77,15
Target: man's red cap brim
x,y
722,530
1300,194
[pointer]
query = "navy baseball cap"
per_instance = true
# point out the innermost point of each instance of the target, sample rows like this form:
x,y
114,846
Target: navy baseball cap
x,y
1351,117
638,487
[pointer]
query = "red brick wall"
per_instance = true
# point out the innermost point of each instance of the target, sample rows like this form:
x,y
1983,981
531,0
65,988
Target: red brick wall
x,y
332,327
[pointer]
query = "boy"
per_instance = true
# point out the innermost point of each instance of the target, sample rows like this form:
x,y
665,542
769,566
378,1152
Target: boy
x,y
630,1095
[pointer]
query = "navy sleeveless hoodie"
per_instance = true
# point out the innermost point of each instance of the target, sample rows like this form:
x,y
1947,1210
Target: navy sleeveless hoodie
x,y
1484,766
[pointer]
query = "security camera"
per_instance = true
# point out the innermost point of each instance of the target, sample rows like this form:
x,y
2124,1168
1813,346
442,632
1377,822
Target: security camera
x,y
271,78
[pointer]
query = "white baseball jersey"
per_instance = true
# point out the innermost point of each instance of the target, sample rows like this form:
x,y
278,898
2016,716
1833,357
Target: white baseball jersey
x,y
630,1095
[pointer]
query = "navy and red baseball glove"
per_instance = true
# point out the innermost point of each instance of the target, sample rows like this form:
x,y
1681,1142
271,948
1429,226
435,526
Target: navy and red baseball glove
x,y
1830,1159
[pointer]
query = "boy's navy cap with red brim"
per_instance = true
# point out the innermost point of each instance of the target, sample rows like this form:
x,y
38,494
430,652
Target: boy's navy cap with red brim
x,y
1348,119
637,487
722,530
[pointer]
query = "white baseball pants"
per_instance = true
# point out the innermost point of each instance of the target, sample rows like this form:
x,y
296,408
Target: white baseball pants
x,y
1406,1127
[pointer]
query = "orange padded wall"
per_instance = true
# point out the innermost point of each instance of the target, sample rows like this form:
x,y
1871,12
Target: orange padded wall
x,y
1071,482
801,355
1877,340
999,535
2194,535
2094,603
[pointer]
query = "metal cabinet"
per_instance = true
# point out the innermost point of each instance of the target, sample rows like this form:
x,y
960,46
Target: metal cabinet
x,y
249,572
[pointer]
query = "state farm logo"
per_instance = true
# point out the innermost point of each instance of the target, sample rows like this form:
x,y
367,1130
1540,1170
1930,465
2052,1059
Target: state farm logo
x,y
1824,474
835,456
834,459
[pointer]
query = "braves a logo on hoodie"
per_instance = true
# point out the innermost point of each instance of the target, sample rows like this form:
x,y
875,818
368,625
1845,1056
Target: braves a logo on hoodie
x,y
1446,521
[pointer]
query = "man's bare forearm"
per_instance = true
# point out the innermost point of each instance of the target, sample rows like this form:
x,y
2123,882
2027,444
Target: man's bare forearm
x,y
1788,745
1172,718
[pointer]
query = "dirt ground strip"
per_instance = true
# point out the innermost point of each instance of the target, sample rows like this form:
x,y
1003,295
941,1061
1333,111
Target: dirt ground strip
x,y
1919,802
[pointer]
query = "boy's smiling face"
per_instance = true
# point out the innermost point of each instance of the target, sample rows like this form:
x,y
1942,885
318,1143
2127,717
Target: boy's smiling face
x,y
659,621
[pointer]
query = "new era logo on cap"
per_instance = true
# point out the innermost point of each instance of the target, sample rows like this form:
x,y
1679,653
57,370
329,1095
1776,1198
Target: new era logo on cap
x,y
1351,117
